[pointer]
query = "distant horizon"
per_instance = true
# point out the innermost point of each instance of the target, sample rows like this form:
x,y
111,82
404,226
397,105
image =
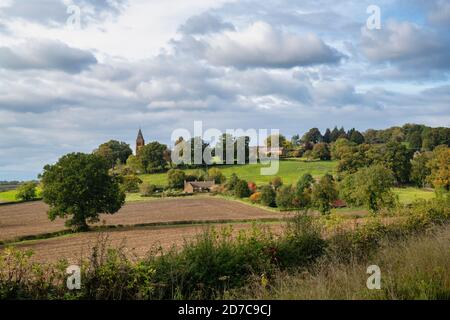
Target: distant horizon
x,y
132,145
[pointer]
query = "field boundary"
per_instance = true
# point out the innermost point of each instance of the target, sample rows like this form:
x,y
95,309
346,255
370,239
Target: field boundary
x,y
122,227
18,202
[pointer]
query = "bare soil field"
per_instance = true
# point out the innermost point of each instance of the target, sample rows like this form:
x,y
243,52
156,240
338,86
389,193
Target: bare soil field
x,y
25,219
136,242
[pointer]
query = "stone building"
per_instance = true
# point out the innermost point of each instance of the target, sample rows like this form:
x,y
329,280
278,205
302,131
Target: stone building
x,y
198,186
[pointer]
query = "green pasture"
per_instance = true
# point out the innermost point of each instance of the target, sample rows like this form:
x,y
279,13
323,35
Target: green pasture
x,y
289,170
410,194
8,196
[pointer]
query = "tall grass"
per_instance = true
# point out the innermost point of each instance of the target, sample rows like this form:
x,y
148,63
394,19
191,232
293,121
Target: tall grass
x,y
416,268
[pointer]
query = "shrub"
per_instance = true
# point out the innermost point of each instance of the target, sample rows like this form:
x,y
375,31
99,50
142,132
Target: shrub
x,y
241,189
232,181
130,183
268,196
200,175
26,191
276,182
173,193
147,189
301,243
297,153
284,197
321,151
216,175
256,197
176,178
307,154
252,187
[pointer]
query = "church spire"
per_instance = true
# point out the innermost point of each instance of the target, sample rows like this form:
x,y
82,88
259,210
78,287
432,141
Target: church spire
x,y
140,142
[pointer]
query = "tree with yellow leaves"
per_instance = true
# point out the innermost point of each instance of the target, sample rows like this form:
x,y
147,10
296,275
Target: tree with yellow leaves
x,y
440,168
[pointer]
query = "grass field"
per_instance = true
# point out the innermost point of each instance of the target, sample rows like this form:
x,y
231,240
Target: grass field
x,y
290,171
410,194
8,196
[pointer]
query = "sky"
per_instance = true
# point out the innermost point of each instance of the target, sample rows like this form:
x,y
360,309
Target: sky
x,y
77,73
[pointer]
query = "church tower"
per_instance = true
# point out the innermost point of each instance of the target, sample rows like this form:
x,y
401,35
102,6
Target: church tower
x,y
140,142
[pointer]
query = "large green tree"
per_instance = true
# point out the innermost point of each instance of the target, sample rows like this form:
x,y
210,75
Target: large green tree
x,y
321,151
312,136
153,157
369,187
302,193
324,193
398,158
420,169
355,136
79,186
280,137
114,151
440,168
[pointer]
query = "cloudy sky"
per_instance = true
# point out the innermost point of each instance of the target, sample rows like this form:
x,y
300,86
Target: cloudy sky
x,y
160,65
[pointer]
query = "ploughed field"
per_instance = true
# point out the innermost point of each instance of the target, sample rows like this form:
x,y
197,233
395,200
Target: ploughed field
x,y
135,242
29,219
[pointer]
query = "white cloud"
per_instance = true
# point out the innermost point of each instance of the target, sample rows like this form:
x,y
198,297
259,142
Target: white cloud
x,y
260,45
407,44
47,55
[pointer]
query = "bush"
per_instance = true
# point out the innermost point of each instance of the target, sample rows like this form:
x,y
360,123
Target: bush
x,y
26,191
297,153
307,154
276,182
301,243
284,197
241,189
232,181
130,183
200,175
321,151
256,197
268,196
147,189
216,175
252,187
174,193
176,178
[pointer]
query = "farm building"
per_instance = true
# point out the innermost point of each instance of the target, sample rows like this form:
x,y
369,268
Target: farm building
x,y
198,186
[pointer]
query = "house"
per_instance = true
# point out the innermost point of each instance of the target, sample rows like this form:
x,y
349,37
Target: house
x,y
339,204
198,186
263,151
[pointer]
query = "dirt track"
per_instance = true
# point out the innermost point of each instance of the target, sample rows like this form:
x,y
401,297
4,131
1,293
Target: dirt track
x,y
31,218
